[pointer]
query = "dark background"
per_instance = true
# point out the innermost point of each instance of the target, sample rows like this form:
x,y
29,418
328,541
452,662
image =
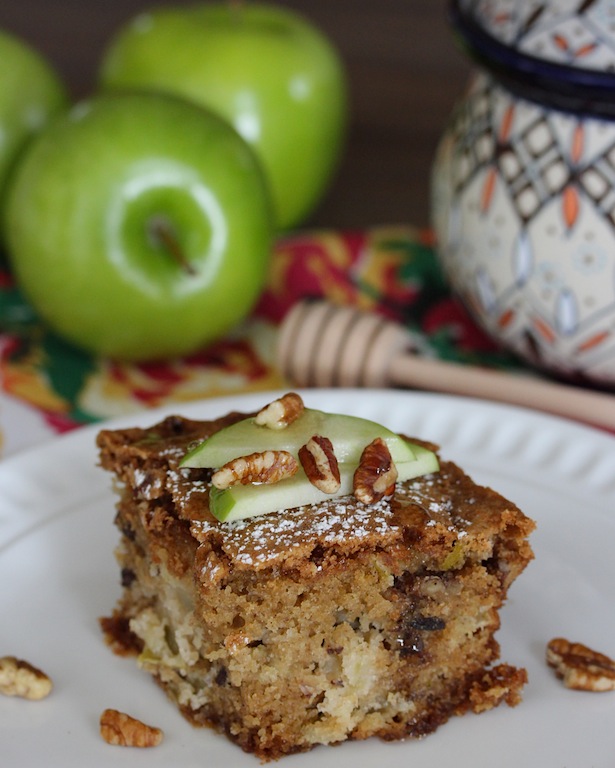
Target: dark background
x,y
405,74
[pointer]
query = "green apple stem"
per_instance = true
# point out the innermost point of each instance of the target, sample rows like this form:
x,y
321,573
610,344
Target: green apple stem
x,y
163,233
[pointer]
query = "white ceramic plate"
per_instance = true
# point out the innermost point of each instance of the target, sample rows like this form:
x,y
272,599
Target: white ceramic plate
x,y
58,575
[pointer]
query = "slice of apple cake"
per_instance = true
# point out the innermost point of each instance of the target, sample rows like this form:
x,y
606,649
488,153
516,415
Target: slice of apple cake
x,y
337,619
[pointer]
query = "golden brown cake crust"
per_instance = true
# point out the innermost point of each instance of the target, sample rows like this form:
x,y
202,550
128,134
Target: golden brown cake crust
x,y
389,611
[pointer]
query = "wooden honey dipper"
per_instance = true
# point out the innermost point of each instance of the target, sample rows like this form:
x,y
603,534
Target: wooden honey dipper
x,y
325,345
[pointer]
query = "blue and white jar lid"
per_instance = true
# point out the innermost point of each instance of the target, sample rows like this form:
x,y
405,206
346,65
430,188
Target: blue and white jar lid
x,y
559,53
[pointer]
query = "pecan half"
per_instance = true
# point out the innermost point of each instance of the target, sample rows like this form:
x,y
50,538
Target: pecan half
x,y
122,730
20,678
280,413
267,467
376,475
580,667
320,465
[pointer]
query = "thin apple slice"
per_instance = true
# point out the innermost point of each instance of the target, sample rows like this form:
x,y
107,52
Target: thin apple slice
x,y
243,501
348,434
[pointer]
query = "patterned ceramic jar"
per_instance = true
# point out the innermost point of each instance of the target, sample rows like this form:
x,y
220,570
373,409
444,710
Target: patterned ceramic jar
x,y
524,182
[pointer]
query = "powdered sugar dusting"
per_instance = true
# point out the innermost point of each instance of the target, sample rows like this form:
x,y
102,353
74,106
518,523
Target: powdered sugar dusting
x,y
343,525
180,484
441,509
263,539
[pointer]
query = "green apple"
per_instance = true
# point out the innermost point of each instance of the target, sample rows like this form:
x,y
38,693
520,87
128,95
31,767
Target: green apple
x,y
348,435
139,226
30,94
264,68
243,501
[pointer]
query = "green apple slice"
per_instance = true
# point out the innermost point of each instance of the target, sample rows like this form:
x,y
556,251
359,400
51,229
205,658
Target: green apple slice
x,y
348,434
243,501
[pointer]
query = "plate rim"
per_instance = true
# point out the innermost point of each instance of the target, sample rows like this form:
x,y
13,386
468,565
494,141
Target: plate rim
x,y
145,416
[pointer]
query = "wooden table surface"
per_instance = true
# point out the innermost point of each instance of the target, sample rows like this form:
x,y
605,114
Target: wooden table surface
x,y
405,73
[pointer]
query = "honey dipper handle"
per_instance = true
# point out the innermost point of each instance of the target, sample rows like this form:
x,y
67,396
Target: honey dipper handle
x,y
324,345
588,406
